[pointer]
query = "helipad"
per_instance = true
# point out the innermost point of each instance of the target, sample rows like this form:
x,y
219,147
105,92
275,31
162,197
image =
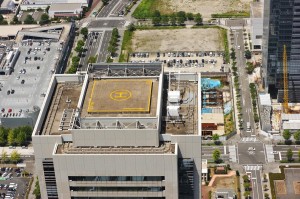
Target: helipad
x,y
120,96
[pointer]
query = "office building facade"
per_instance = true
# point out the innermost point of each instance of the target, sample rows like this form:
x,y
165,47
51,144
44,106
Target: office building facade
x,y
281,27
120,131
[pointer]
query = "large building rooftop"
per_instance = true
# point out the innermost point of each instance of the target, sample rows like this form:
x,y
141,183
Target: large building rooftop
x,y
68,148
120,98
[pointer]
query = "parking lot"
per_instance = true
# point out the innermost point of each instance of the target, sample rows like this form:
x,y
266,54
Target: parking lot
x,y
92,48
27,85
200,61
12,184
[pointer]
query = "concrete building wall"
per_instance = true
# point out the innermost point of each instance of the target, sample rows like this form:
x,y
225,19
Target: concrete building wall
x,y
116,165
43,148
190,147
256,33
115,137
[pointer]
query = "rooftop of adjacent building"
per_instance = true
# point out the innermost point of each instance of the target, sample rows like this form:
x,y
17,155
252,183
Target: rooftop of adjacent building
x,y
257,9
68,148
181,118
26,86
56,7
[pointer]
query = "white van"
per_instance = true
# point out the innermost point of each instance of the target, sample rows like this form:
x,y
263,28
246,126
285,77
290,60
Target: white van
x,y
248,127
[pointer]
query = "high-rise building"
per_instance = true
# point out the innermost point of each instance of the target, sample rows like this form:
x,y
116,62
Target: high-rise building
x,y
120,131
281,27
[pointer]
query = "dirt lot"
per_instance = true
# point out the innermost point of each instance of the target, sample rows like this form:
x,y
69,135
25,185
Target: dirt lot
x,y
205,7
176,40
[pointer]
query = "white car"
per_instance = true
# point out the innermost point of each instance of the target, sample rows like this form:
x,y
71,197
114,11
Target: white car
x,y
251,149
274,152
238,47
18,77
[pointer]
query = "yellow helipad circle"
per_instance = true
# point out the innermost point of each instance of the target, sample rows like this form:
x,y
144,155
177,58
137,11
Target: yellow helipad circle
x,y
120,95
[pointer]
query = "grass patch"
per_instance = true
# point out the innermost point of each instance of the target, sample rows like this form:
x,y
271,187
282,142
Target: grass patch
x,y
205,26
147,7
159,27
126,45
232,14
225,43
228,123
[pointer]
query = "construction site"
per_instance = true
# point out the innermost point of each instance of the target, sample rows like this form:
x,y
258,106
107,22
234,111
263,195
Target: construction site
x,y
283,115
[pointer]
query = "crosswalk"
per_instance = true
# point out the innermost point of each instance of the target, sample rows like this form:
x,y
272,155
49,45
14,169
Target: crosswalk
x,y
232,153
252,167
269,152
249,139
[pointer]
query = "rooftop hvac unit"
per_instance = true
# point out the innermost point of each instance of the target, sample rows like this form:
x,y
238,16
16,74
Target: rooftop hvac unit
x,y
173,111
174,96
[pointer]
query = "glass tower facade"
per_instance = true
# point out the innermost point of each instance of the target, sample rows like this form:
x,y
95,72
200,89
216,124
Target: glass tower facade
x,y
281,27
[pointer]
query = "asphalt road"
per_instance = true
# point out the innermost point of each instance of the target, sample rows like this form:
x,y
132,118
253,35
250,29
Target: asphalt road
x,y
244,84
106,10
107,23
92,45
103,52
256,181
246,156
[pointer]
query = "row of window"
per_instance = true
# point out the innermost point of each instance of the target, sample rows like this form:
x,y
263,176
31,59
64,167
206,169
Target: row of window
x,y
117,197
116,178
101,189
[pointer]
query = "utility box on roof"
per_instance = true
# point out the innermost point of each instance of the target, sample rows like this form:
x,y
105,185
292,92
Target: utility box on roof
x,y
174,96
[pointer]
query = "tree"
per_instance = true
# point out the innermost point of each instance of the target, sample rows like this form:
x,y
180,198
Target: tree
x,y
247,193
165,20
15,156
92,59
79,49
29,20
2,21
286,134
21,138
15,20
10,137
247,186
156,13
173,19
75,59
289,155
80,43
4,156
248,54
105,2
37,191
3,136
44,19
198,19
115,33
216,138
189,16
131,27
216,155
84,31
297,136
246,178
181,14
266,196
299,155
47,9
180,20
